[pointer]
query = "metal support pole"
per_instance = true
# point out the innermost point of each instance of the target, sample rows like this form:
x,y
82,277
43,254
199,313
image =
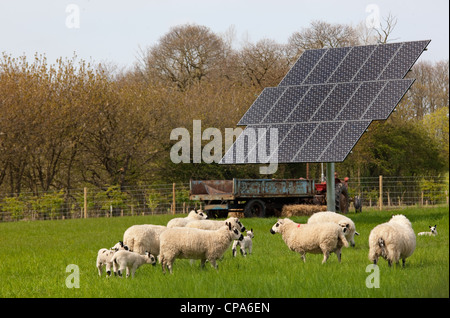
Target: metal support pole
x,y
331,197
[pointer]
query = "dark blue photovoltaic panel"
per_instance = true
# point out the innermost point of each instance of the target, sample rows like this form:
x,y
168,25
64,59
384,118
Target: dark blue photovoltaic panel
x,y
291,142
262,105
362,99
377,62
317,142
405,58
333,104
302,67
344,141
285,104
326,66
351,64
389,97
308,105
325,103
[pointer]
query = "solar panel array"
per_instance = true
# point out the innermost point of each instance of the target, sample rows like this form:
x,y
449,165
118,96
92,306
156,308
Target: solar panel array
x,y
325,103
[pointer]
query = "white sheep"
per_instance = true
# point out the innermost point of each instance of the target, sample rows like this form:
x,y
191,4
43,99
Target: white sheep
x,y
104,257
216,224
432,232
143,237
337,218
244,245
393,240
192,243
317,238
192,216
131,261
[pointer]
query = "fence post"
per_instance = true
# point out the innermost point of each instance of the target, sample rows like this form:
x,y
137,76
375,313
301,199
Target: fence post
x,y
173,198
381,192
85,202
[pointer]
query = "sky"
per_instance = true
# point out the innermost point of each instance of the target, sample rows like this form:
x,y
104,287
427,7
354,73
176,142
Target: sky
x,y
113,31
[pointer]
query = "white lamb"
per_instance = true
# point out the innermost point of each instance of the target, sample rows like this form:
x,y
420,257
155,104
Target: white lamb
x,y
244,245
337,218
393,240
131,261
432,232
104,257
216,224
192,243
317,238
143,237
192,216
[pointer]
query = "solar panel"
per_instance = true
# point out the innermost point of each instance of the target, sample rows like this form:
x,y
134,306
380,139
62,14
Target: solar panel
x,y
325,103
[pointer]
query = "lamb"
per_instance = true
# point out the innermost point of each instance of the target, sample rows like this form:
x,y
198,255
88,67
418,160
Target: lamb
x,y
245,244
131,261
432,232
317,238
337,218
144,237
192,243
215,224
192,216
104,257
392,240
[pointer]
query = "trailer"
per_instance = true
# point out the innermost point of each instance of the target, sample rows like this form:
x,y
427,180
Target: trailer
x,y
261,197
253,197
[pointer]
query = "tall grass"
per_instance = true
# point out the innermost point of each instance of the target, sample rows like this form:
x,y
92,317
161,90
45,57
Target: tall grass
x,y
34,256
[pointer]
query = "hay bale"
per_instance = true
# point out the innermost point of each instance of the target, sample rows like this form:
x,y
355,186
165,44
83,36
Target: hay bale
x,y
236,215
301,210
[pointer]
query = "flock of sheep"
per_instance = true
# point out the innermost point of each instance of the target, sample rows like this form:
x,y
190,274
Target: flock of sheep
x,y
194,237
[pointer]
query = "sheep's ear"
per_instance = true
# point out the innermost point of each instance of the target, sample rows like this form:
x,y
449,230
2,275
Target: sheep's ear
x,y
429,226
229,225
121,243
251,230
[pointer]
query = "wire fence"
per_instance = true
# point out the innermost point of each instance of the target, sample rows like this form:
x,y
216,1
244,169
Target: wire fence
x,y
392,192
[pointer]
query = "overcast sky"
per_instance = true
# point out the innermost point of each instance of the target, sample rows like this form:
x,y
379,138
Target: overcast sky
x,y
113,30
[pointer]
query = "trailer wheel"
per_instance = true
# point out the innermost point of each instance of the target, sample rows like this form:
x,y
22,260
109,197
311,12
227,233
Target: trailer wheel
x,y
255,208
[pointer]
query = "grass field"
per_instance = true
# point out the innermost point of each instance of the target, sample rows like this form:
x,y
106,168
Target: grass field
x,y
34,257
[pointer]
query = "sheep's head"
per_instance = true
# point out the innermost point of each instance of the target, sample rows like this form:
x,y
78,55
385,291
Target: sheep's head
x,y
236,222
433,230
276,227
149,258
250,234
198,214
235,234
345,226
119,246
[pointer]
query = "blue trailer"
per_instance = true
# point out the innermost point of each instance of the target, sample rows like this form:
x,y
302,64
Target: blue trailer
x,y
253,197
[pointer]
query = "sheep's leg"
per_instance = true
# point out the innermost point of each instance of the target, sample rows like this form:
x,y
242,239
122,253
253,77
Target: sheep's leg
x,y
302,255
338,254
325,257
100,269
243,252
108,269
250,249
403,262
202,262
213,262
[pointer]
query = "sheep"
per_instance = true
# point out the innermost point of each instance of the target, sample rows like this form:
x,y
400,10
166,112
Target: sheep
x,y
104,257
245,244
317,238
192,243
432,232
215,224
192,216
392,240
131,261
339,219
143,237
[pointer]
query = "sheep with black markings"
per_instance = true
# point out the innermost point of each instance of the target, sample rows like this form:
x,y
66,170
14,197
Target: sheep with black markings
x,y
104,257
245,245
143,237
339,219
216,224
192,216
324,238
192,243
432,232
131,261
393,240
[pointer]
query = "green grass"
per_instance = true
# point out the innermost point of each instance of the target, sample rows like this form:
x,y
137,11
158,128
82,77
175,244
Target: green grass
x,y
34,256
